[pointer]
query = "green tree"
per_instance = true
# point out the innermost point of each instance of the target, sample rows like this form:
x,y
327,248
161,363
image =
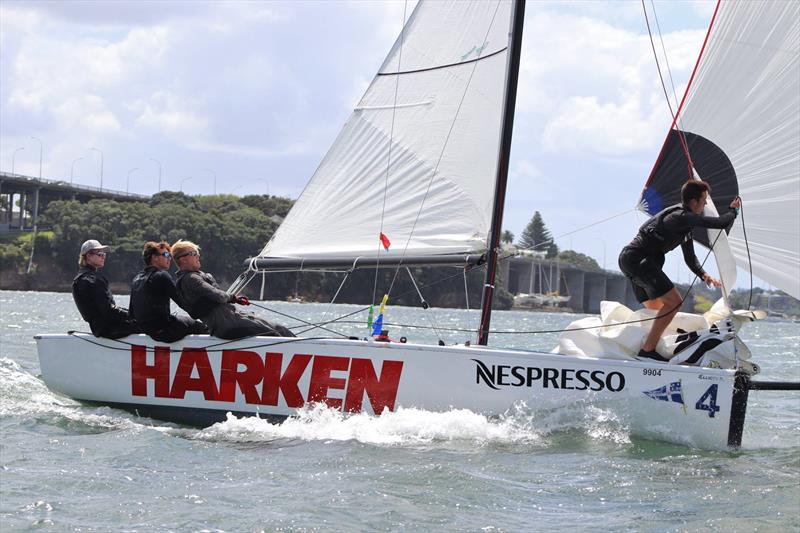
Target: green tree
x,y
536,236
507,237
578,259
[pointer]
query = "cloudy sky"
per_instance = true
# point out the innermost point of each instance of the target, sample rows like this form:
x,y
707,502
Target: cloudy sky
x,y
255,92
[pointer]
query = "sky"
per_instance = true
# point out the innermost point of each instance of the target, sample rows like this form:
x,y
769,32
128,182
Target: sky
x,y
247,97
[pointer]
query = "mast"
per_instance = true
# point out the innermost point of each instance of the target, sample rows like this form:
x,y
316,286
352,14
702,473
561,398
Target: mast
x,y
512,76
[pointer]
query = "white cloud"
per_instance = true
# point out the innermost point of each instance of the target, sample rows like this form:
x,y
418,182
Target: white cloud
x,y
171,115
585,125
263,88
593,87
87,113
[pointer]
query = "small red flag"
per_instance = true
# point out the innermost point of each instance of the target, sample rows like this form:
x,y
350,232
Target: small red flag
x,y
385,242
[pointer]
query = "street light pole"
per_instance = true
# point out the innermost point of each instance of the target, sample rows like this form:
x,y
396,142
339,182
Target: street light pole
x,y
36,207
101,165
184,179
14,156
159,172
215,179
72,170
266,181
41,151
128,179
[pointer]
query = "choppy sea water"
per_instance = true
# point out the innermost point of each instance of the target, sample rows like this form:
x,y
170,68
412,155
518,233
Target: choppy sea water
x,y
66,466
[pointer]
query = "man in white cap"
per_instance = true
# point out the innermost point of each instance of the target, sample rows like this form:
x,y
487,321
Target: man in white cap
x,y
93,298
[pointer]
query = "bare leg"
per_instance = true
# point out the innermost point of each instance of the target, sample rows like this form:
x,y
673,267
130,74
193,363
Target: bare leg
x,y
653,304
668,306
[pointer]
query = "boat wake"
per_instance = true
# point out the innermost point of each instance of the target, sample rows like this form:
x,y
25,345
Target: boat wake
x,y
23,396
411,427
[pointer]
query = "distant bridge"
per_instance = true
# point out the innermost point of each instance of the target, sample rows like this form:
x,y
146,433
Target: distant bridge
x,y
20,197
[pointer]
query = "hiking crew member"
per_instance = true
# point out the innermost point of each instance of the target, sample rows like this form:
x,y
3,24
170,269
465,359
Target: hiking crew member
x,y
200,296
151,291
93,298
642,260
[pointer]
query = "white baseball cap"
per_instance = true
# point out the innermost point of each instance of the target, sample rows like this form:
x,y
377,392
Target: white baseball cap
x,y
91,245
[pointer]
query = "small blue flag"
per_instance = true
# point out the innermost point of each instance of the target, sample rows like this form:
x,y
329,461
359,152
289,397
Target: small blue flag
x,y
377,326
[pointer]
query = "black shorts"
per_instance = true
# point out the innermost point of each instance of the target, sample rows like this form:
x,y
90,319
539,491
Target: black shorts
x,y
645,273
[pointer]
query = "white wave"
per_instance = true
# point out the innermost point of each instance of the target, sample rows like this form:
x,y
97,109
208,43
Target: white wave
x,y
404,427
24,395
416,427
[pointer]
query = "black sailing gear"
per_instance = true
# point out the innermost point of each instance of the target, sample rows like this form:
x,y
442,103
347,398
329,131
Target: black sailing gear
x,y
97,307
151,291
642,260
200,296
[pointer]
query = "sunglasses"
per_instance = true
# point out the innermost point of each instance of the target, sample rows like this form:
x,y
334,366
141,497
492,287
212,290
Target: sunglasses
x,y
188,254
99,254
165,254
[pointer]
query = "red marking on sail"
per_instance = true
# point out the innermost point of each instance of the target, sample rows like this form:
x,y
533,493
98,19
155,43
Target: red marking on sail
x,y
680,106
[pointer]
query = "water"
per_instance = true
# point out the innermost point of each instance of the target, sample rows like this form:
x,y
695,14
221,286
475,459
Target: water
x,y
66,466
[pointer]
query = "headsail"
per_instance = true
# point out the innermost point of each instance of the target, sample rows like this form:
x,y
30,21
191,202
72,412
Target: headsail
x,y
741,121
430,119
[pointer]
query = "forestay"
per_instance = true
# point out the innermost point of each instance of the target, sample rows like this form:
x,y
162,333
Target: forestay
x,y
742,127
425,135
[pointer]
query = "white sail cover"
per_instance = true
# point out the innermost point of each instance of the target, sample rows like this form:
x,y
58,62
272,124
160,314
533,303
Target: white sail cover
x,y
741,118
425,134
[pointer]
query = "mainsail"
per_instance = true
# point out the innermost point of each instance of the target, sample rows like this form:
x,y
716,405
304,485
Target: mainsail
x,y
740,118
424,136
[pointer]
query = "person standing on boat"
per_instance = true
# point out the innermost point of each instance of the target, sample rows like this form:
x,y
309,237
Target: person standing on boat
x,y
200,296
151,291
642,260
93,297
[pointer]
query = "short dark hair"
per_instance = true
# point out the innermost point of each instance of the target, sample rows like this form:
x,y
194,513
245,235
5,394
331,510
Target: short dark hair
x,y
693,190
153,248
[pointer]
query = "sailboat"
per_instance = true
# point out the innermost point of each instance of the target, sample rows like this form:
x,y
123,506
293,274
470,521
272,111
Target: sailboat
x,y
417,177
549,295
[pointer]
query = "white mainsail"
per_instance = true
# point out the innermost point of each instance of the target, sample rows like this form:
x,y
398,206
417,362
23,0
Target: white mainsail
x,y
425,134
744,104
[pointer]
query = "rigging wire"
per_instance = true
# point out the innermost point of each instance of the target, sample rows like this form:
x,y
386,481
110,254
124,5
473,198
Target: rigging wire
x,y
679,130
438,281
389,155
433,320
664,51
444,147
672,113
533,332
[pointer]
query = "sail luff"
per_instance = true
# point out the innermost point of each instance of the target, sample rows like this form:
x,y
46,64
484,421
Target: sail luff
x,y
512,78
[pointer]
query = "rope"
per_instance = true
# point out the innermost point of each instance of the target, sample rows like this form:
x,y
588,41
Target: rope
x,y
672,113
389,155
129,345
425,305
265,308
749,261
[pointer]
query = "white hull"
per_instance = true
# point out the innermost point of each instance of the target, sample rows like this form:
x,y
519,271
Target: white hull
x,y
538,300
194,381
